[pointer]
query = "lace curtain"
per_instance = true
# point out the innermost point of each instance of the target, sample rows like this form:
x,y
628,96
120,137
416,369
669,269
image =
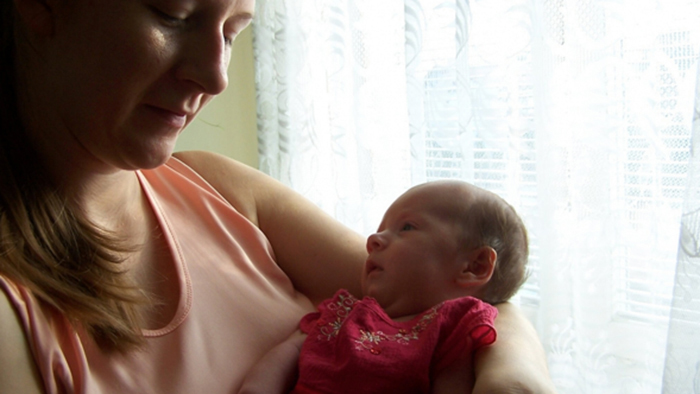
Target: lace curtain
x,y
578,112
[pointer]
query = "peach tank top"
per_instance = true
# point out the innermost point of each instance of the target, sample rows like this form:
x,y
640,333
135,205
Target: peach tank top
x,y
235,304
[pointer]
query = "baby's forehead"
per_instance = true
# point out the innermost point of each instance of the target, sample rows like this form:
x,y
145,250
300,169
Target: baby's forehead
x,y
436,199
447,194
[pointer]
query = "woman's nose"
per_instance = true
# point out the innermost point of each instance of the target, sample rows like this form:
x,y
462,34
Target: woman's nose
x,y
206,62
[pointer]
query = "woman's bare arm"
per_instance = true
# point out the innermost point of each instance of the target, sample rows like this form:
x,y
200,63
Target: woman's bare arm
x,y
515,363
18,372
458,377
318,253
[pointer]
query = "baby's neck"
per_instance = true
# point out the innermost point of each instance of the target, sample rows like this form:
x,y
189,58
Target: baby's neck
x,y
403,318
402,313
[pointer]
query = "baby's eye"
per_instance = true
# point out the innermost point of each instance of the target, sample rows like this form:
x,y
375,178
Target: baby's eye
x,y
407,227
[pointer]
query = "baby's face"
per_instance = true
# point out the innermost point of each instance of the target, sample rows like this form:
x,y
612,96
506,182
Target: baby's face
x,y
414,255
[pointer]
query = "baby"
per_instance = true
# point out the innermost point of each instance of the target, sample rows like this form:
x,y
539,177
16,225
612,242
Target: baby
x,y
443,253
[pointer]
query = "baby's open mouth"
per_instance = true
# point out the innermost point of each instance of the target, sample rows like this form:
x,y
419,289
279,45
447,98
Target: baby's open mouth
x,y
371,266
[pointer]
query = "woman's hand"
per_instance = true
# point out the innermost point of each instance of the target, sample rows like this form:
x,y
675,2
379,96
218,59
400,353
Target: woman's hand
x,y
276,372
515,363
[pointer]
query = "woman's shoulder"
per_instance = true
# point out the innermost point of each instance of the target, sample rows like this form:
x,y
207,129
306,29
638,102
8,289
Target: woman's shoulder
x,y
317,252
238,183
209,163
17,367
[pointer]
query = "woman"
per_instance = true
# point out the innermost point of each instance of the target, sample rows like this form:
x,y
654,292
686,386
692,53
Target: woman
x,y
125,270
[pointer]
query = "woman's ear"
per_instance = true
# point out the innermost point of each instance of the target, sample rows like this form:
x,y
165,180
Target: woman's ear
x,y
37,15
477,268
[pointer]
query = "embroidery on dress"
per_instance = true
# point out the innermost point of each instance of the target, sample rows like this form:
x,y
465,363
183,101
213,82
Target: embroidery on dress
x,y
370,341
342,308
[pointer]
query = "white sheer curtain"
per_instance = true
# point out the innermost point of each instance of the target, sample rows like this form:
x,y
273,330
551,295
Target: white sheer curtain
x,y
578,112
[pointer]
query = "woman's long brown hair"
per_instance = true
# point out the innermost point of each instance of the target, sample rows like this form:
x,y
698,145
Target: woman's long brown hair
x,y
48,246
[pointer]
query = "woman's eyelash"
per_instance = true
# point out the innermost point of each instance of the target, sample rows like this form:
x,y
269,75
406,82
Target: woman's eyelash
x,y
168,18
174,21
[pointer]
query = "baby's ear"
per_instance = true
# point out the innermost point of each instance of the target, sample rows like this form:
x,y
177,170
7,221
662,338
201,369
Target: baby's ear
x,y
477,267
37,15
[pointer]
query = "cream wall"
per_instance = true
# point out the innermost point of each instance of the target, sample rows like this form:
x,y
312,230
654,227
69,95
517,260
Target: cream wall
x,y
227,125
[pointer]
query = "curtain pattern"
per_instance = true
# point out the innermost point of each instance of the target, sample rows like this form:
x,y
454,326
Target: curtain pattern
x,y
331,100
682,372
578,112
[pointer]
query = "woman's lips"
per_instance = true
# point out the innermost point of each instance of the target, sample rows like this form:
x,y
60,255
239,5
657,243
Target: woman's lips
x,y
174,119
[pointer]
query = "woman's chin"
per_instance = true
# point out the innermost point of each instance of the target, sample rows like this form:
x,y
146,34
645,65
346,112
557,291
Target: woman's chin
x,y
151,155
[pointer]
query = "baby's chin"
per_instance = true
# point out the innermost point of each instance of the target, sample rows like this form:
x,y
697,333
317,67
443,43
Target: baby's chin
x,y
373,287
368,291
365,286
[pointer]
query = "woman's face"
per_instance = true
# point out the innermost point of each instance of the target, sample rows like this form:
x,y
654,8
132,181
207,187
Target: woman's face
x,y
122,78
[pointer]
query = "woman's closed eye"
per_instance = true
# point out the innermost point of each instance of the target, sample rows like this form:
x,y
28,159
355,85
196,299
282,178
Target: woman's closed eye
x,y
169,19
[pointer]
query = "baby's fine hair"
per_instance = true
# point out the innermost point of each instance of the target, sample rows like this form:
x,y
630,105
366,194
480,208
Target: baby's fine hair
x,y
491,221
